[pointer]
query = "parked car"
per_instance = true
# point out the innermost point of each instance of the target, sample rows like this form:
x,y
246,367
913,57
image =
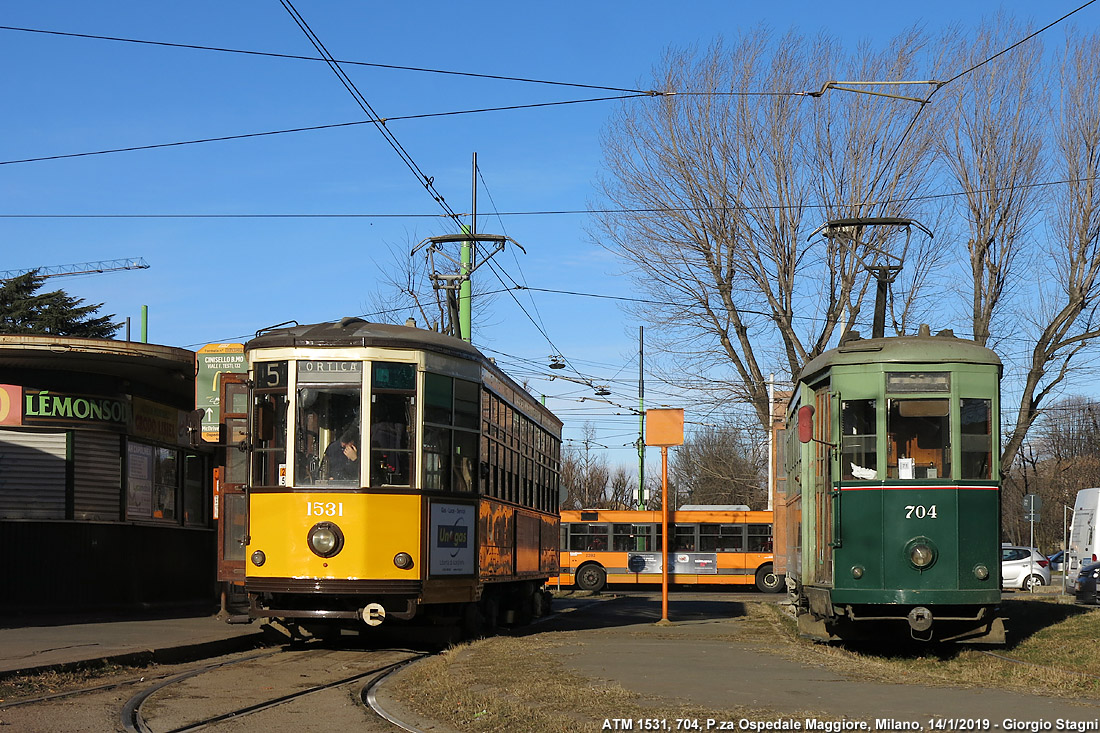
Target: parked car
x,y
1023,567
1056,560
1087,586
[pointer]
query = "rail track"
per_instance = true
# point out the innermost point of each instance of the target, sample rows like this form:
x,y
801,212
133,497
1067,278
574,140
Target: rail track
x,y
187,702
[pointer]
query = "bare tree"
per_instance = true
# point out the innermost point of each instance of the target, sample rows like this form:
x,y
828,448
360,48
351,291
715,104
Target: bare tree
x,y
709,193
623,489
721,465
991,144
406,292
1064,317
585,474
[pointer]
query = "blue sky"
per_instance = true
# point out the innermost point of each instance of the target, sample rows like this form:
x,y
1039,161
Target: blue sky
x,y
221,279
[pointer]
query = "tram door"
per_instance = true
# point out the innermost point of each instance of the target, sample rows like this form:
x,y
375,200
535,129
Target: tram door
x,y
231,499
823,489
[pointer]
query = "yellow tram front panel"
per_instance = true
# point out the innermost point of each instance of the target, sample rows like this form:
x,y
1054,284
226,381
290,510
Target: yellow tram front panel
x,y
373,528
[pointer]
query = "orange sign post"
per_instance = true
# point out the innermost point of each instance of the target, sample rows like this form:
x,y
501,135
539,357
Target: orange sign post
x,y
664,427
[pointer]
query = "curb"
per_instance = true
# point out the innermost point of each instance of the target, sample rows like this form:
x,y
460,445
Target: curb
x,y
167,655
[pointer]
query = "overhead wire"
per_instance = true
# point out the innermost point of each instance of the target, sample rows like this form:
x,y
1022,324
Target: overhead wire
x,y
940,84
314,128
427,181
546,212
345,62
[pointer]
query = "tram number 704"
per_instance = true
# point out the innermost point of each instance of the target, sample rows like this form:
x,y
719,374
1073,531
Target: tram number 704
x,y
917,511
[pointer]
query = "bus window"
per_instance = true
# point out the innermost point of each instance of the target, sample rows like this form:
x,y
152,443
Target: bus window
x,y
760,538
632,537
918,445
683,538
721,538
588,537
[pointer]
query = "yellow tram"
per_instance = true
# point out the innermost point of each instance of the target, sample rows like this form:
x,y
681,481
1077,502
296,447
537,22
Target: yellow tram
x,y
392,473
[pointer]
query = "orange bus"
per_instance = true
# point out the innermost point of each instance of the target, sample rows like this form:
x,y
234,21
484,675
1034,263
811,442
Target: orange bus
x,y
709,545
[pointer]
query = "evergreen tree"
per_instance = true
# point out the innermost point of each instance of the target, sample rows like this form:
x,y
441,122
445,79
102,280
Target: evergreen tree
x,y
23,310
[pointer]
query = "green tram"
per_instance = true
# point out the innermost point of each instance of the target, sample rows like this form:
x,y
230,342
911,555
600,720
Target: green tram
x,y
892,505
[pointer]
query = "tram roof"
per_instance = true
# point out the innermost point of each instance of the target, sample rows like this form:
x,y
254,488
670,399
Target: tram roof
x,y
356,332
352,332
944,347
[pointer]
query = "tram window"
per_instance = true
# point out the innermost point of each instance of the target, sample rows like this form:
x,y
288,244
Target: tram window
x,y
327,447
390,439
236,462
463,461
437,452
449,445
976,439
466,402
760,538
721,538
858,442
918,439
269,450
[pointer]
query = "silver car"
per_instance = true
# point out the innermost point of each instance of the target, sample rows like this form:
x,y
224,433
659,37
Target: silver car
x,y
1023,567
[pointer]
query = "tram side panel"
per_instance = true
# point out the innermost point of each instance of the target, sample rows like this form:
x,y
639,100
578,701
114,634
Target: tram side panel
x,y
516,543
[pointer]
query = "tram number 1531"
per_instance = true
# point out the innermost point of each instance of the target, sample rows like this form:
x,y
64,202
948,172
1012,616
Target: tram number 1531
x,y
322,509
917,511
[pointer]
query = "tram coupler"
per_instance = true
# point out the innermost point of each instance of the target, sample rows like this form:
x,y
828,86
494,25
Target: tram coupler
x,y
920,619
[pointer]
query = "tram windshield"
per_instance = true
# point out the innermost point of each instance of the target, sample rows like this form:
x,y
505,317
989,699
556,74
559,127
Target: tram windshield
x,y
328,423
918,445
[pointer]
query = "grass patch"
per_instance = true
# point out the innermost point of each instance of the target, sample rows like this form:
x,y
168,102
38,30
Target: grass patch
x,y
507,684
17,687
1051,651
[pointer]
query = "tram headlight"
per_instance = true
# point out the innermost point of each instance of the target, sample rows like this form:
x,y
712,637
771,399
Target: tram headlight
x,y
325,539
981,572
921,553
857,571
258,558
403,560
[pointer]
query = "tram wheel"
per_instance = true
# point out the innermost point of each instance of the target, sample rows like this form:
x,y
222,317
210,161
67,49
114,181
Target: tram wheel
x,y
591,577
767,581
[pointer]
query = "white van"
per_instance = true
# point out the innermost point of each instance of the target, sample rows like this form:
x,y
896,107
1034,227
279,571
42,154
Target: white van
x,y
1083,539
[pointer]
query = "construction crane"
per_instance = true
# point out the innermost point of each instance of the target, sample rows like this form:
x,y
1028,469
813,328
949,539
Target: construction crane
x,y
80,268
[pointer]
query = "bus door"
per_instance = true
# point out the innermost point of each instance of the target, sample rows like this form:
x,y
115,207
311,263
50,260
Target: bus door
x,y
230,499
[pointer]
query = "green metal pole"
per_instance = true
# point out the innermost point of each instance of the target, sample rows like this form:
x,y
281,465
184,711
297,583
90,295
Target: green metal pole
x,y
144,324
464,319
467,259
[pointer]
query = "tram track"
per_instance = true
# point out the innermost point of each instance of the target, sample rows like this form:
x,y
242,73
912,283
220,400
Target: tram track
x,y
133,719
107,687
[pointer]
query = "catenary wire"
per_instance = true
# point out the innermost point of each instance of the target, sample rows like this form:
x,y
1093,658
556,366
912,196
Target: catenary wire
x,y
314,128
296,57
547,212
361,100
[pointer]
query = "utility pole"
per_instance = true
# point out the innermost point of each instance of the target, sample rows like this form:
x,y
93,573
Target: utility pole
x,y
455,287
465,290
